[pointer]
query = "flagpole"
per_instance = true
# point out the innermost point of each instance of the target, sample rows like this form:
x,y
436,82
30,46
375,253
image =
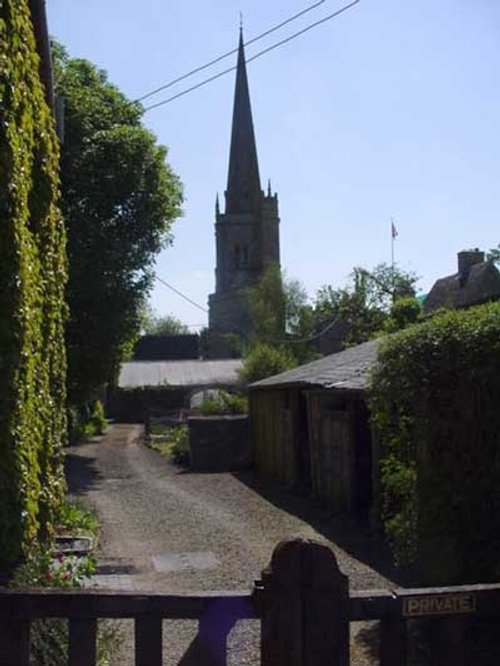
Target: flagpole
x,y
393,236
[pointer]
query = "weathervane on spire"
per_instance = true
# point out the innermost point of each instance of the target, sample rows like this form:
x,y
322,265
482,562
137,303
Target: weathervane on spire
x,y
241,20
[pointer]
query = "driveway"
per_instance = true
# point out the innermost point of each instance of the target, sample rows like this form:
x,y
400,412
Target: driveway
x,y
164,529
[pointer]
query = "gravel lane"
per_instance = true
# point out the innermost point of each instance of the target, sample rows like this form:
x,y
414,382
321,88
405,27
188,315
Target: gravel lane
x,y
165,530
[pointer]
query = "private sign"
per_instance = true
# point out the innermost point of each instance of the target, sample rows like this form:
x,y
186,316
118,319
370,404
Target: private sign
x,y
439,604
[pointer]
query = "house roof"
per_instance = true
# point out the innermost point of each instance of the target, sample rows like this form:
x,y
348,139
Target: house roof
x,y
346,370
196,373
482,284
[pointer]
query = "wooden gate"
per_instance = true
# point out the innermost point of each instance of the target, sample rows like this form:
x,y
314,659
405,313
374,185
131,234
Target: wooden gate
x,y
302,601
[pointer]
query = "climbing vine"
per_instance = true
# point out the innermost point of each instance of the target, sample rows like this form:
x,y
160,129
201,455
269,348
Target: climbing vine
x,y
32,311
435,408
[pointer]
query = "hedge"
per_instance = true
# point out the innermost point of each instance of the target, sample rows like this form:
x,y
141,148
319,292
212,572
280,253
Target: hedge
x,y
32,311
434,399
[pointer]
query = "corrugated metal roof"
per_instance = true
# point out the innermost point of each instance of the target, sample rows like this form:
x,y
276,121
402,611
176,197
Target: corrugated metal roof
x,y
179,373
345,370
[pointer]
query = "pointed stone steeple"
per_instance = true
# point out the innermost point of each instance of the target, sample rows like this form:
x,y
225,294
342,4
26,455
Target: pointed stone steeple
x,y
243,192
246,234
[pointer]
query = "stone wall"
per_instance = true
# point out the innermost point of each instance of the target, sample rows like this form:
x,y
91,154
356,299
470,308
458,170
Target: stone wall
x,y
219,443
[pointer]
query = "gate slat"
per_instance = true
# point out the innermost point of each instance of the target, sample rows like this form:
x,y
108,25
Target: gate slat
x,y
14,642
451,641
148,641
82,641
393,641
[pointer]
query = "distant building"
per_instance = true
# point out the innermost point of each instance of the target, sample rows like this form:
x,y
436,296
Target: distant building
x,y
247,232
167,347
476,281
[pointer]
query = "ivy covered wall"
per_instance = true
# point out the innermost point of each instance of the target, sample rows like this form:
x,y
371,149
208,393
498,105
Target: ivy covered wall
x,y
32,281
435,402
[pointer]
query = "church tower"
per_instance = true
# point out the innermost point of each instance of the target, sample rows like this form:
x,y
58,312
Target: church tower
x,y
247,232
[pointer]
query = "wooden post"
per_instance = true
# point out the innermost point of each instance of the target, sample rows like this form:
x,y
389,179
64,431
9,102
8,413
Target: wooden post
x,y
451,643
303,599
148,640
14,642
393,641
82,641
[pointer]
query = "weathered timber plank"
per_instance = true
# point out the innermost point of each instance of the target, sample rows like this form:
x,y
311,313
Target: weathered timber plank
x,y
148,641
451,642
393,642
303,601
82,641
14,642
109,604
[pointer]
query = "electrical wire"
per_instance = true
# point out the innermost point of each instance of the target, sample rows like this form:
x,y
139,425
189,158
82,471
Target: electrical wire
x,y
229,53
179,293
258,55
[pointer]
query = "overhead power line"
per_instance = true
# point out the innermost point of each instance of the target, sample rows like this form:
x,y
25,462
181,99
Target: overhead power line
x,y
229,53
257,55
179,293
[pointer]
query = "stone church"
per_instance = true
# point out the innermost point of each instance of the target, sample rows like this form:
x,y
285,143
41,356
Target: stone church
x,y
247,232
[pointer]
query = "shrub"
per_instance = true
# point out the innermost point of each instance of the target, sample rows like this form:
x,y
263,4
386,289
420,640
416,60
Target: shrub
x,y
74,519
434,403
263,360
225,403
174,443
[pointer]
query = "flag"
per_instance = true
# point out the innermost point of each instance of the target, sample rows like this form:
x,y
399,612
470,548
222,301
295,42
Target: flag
x,y
394,231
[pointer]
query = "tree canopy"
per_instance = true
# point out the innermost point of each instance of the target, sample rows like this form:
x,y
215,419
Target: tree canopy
x,y
365,303
119,199
154,324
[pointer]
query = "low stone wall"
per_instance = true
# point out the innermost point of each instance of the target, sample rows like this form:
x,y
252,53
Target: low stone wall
x,y
219,443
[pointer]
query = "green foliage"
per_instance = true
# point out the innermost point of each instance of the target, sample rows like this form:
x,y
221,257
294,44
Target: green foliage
x,y
49,639
404,311
32,311
267,307
175,444
75,519
281,316
120,198
365,303
494,255
98,419
434,403
225,403
166,325
263,360
86,421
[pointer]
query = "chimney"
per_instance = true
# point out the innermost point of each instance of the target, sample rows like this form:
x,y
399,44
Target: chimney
x,y
467,259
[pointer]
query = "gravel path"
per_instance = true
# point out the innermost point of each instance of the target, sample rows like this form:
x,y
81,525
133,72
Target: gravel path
x,y
166,530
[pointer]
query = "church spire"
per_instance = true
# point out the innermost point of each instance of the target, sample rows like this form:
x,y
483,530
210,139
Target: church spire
x,y
243,183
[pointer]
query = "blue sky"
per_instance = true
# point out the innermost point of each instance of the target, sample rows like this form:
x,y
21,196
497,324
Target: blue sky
x,y
390,110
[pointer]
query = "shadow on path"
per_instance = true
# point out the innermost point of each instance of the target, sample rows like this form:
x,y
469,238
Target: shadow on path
x,y
81,471
351,535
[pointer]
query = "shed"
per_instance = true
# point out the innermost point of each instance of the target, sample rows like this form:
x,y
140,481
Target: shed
x,y
310,427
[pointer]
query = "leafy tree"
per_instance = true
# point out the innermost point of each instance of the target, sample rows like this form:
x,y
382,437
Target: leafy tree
x,y
268,307
494,255
119,198
404,312
165,325
264,360
366,301
281,315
